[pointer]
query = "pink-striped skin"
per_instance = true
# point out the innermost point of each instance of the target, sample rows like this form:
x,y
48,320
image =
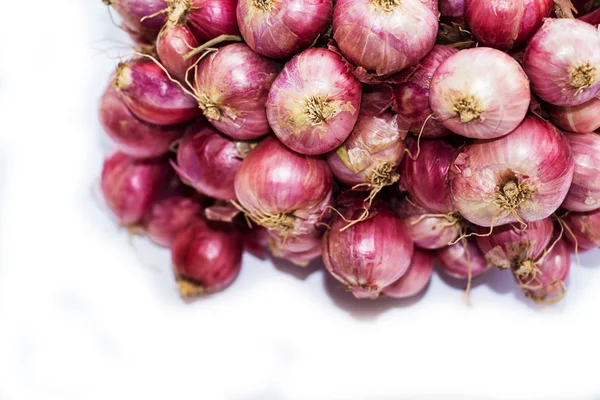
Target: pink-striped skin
x,y
130,186
480,93
547,285
384,38
131,135
453,10
461,260
314,103
300,250
172,44
151,96
209,19
205,260
508,247
275,181
584,229
584,194
581,119
208,161
433,232
522,176
506,24
416,278
369,255
564,69
412,96
279,29
232,86
170,215
133,12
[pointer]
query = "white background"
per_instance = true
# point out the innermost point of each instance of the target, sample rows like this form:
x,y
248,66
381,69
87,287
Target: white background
x,y
85,313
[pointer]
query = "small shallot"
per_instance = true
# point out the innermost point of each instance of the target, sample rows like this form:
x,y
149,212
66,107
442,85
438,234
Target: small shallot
x,y
462,260
415,280
584,194
581,119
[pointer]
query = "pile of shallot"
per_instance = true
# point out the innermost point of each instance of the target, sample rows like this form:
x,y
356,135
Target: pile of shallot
x,y
379,136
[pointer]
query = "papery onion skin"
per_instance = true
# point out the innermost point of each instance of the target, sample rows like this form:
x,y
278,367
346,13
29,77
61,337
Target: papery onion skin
x,y
426,179
208,161
454,10
131,135
369,255
172,44
205,260
526,173
480,93
584,194
209,19
460,258
314,103
564,69
548,284
279,29
584,229
273,180
133,12
416,278
384,37
130,186
170,215
151,96
232,86
412,96
508,247
581,119
300,250
506,24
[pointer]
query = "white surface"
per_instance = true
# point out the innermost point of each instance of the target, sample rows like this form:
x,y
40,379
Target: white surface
x,y
85,314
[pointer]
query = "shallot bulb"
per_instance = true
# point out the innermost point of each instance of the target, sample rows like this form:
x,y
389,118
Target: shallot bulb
x,y
584,194
300,250
462,260
582,118
232,85
130,186
173,43
131,135
416,278
149,93
546,284
454,10
369,255
207,19
279,29
412,96
283,190
506,24
140,16
431,232
314,103
170,215
583,229
508,247
205,260
522,177
562,61
208,161
480,93
384,36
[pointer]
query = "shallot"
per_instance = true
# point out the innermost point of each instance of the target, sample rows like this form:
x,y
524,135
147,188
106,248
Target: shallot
x,y
462,260
584,194
416,278
583,229
582,118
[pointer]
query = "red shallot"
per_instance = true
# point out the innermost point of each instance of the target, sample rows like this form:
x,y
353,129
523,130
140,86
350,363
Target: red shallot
x,y
584,194
416,278
462,260
582,118
583,229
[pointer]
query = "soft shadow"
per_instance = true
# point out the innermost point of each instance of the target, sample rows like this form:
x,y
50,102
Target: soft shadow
x,y
301,273
587,258
501,282
460,284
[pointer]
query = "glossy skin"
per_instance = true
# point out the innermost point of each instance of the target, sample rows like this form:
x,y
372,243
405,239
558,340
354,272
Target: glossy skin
x,y
130,186
131,135
274,180
172,44
170,215
456,260
384,42
494,79
236,82
431,232
505,24
208,161
297,249
208,258
453,10
412,97
132,12
314,73
585,229
151,96
426,179
416,278
550,55
536,153
581,119
584,194
507,247
287,28
212,18
369,255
